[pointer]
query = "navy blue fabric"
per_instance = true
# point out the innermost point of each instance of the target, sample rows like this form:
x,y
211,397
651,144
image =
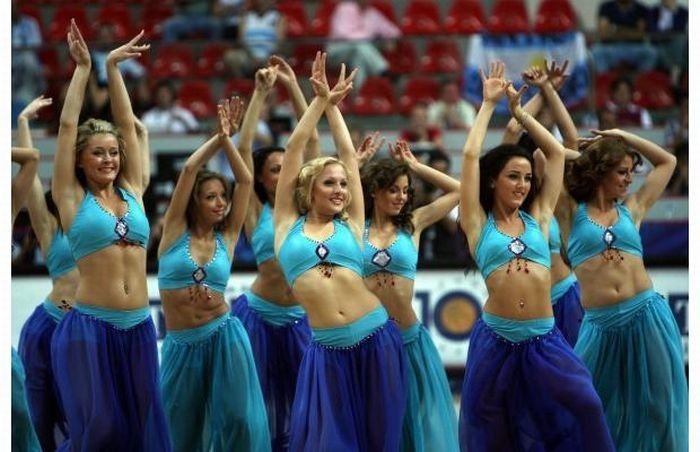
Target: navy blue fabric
x,y
568,313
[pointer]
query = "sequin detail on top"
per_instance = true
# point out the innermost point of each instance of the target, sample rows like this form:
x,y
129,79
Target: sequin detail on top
x,y
300,253
399,258
496,249
589,238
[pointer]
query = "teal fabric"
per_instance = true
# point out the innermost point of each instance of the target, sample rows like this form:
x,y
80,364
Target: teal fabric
x,y
518,330
24,437
352,333
430,421
562,286
554,236
634,352
262,240
122,319
399,258
53,310
59,258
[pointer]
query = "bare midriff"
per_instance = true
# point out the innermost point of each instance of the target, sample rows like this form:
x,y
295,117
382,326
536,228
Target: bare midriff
x,y
271,285
559,268
520,295
191,307
396,294
606,282
63,289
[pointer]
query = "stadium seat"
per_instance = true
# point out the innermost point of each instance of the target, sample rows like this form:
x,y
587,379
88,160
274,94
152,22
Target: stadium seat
x,y
376,97
242,87
465,17
509,17
402,59
152,17
653,90
119,15
60,23
48,55
172,60
211,62
303,57
420,18
386,8
196,96
294,12
555,16
418,89
320,24
603,80
441,56
33,11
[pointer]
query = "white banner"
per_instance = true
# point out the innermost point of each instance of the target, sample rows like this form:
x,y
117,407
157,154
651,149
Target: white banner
x,y
448,302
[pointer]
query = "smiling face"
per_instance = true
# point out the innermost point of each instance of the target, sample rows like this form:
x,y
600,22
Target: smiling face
x,y
616,182
329,192
389,201
100,159
211,201
513,183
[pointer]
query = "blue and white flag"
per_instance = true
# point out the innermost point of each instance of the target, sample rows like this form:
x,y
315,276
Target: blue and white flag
x,y
521,51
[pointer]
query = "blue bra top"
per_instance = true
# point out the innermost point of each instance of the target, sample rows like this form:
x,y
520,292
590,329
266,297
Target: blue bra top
x,y
94,228
262,240
588,238
399,258
495,248
554,236
59,259
177,269
300,253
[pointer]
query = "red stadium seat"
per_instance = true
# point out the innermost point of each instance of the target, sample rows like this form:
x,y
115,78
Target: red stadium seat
x,y
172,60
386,8
376,97
211,62
119,15
441,56
32,11
603,80
509,17
60,23
420,18
402,59
295,15
303,57
196,96
418,89
555,16
239,87
465,17
48,55
152,17
653,90
320,24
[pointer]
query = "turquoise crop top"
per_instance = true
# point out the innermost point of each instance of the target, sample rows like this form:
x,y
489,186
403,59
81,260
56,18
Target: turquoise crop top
x,y
588,238
495,248
94,228
554,236
300,253
177,269
399,258
262,240
59,259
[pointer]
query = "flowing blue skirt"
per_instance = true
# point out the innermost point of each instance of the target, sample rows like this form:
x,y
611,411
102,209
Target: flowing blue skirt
x,y
533,395
278,337
42,392
430,422
634,352
24,438
568,312
108,382
211,393
351,397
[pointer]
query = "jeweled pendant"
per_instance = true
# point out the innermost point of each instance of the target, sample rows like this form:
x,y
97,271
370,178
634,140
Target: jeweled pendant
x,y
517,247
609,237
322,251
381,258
121,228
199,275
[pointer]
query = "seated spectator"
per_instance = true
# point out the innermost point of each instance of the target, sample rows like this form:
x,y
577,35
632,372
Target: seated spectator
x,y
626,112
354,25
451,111
192,17
261,31
668,23
229,13
420,134
27,72
622,26
166,116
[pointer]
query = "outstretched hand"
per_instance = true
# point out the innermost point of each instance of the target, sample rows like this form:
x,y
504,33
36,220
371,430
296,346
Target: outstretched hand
x,y
230,112
556,74
494,86
77,47
32,109
129,50
535,76
402,152
285,72
342,87
514,98
369,147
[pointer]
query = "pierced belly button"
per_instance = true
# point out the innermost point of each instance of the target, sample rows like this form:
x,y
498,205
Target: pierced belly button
x,y
521,303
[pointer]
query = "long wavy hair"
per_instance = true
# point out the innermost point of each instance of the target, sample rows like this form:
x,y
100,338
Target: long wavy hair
x,y
584,175
203,176
87,130
381,175
260,156
490,166
305,182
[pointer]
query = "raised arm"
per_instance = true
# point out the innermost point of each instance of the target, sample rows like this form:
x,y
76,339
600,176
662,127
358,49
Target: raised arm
x,y
472,216
43,223
288,79
66,190
436,210
230,113
285,212
131,172
513,129
144,152
29,164
556,75
368,148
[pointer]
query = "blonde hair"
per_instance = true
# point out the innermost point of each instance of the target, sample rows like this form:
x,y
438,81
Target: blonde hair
x,y
87,130
307,177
